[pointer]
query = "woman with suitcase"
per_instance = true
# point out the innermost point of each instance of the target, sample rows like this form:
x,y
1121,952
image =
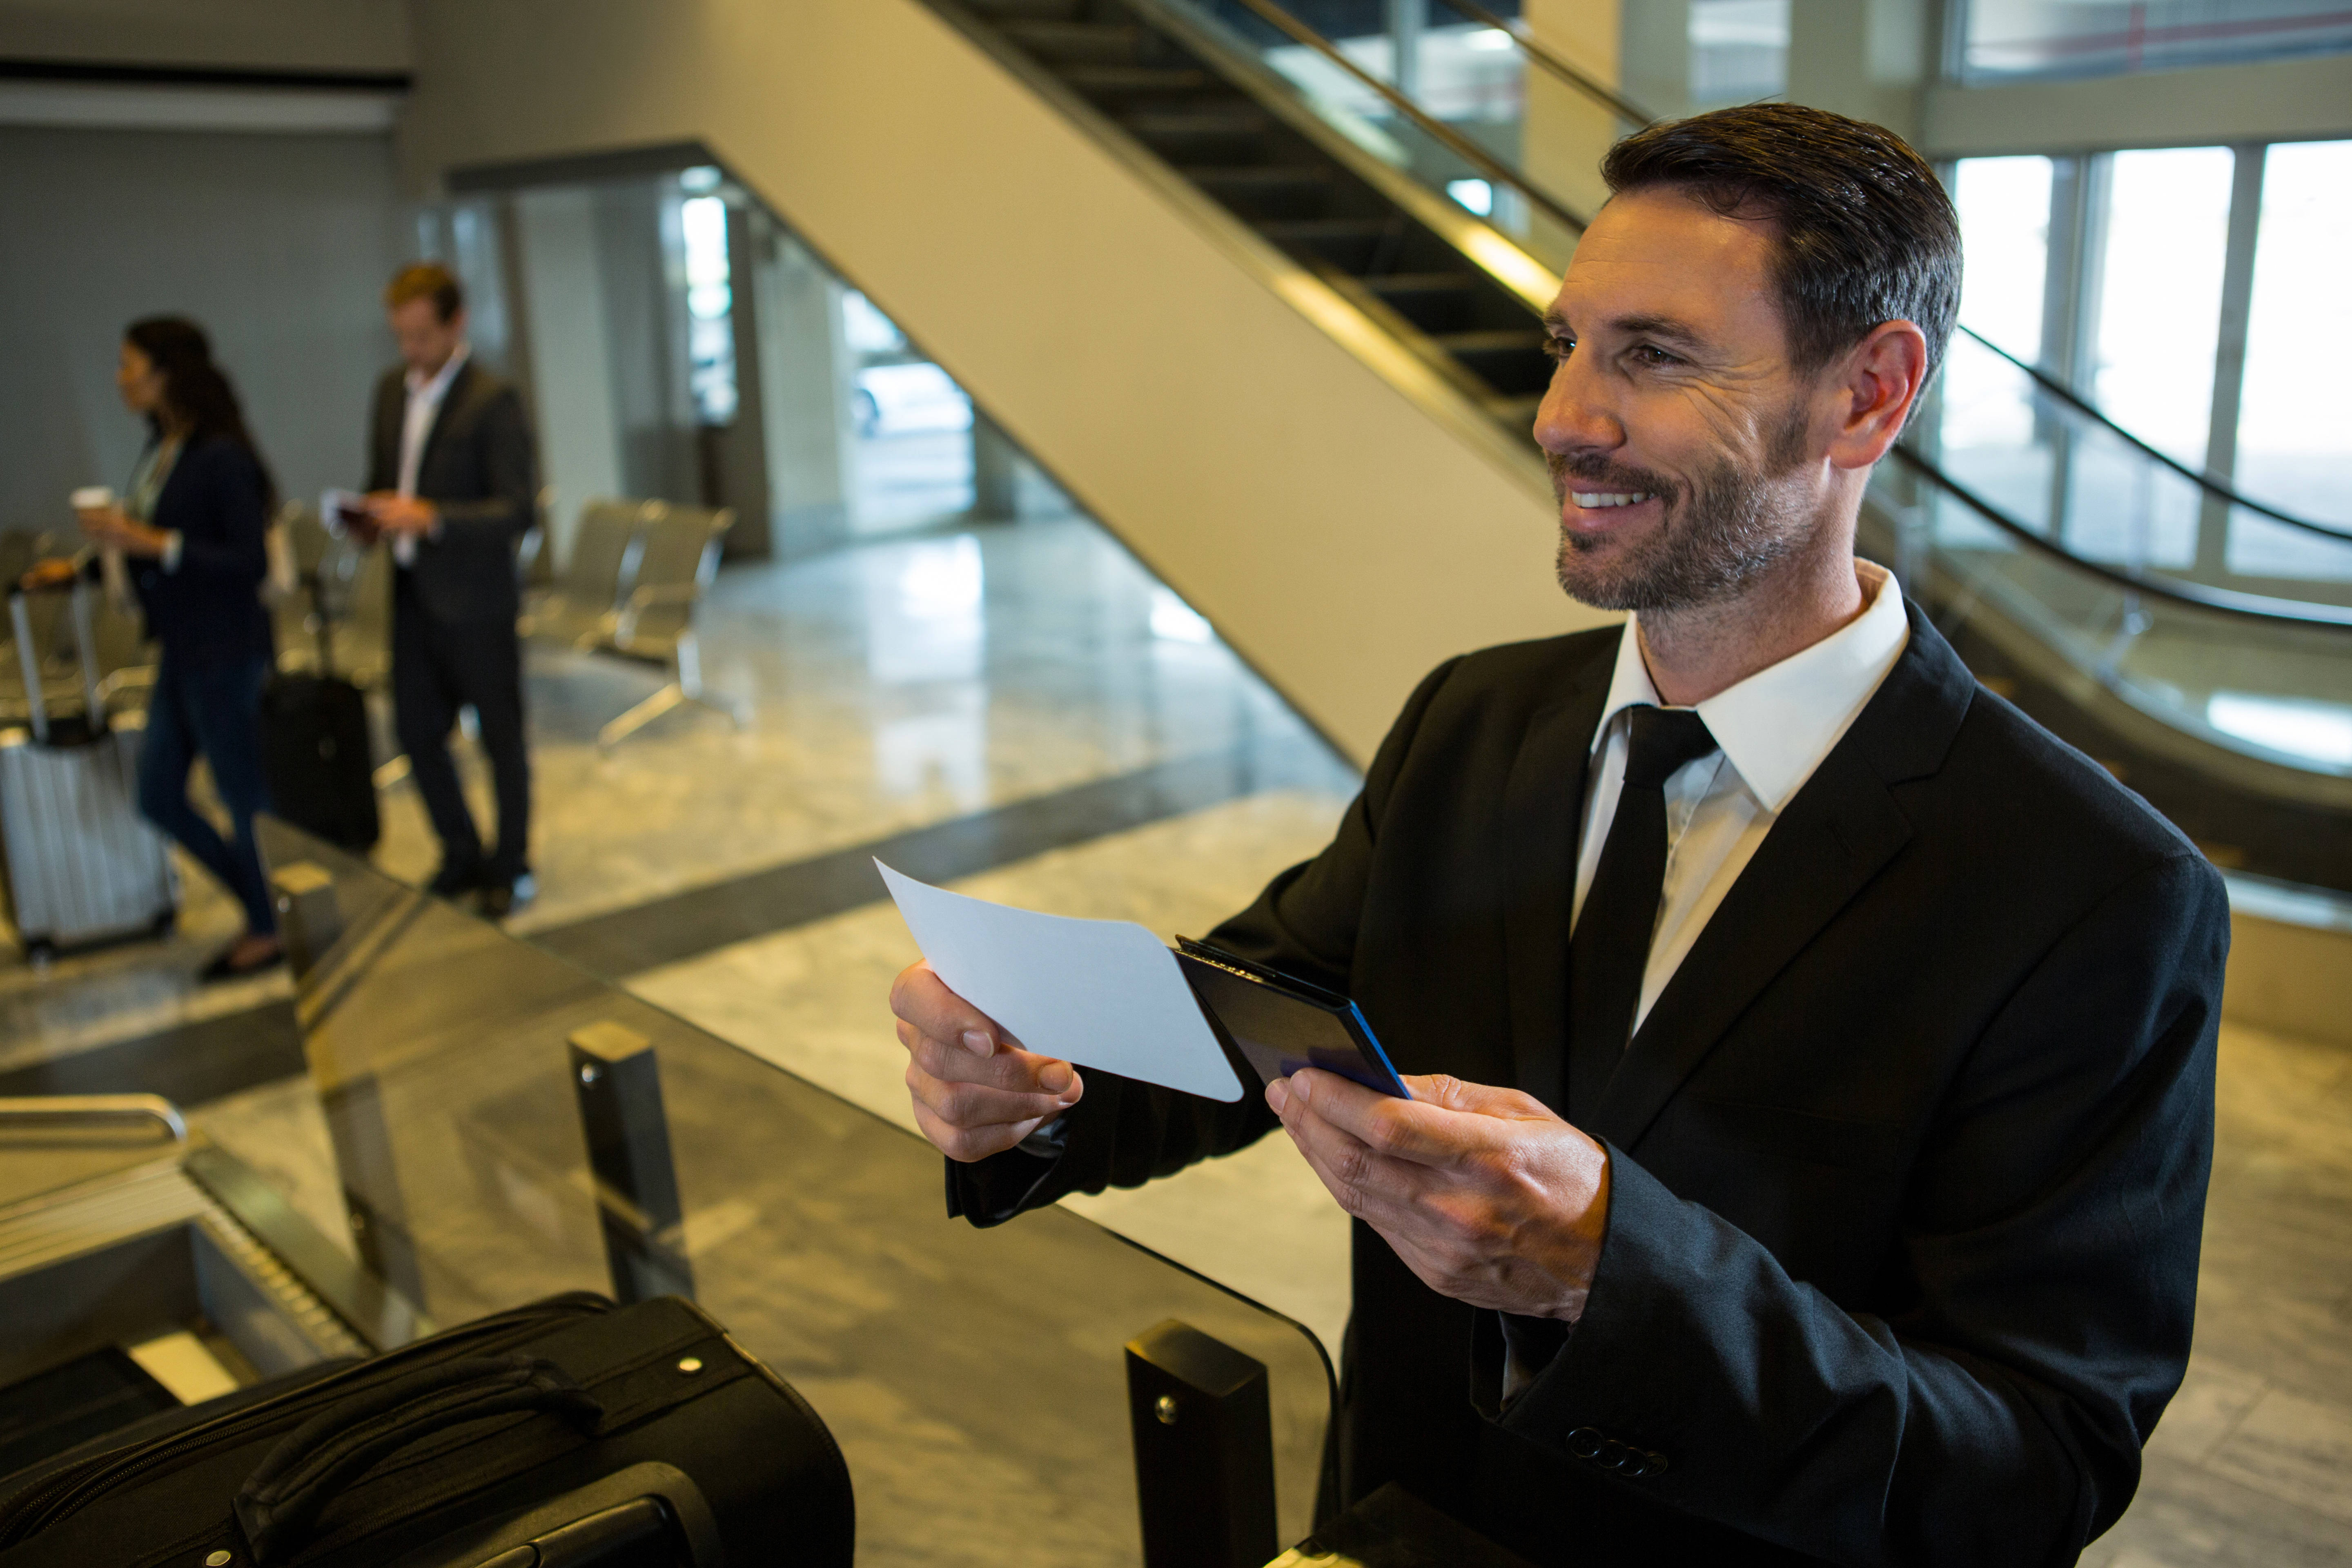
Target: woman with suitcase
x,y
193,526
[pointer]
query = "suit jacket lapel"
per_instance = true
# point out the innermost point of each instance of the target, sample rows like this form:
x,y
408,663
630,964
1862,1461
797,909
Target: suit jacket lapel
x,y
1543,810
1836,833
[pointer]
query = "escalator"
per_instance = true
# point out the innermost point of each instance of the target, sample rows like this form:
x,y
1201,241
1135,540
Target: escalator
x,y
2072,563
1272,319
1191,86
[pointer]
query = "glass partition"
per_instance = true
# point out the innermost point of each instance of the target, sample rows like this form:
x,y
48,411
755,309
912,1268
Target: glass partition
x,y
2069,475
975,1379
2263,685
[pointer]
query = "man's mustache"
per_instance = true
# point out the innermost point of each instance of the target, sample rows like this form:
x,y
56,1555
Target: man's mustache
x,y
1590,472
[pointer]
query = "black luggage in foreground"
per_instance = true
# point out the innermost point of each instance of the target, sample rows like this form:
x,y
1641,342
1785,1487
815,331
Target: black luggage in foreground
x,y
315,754
570,1433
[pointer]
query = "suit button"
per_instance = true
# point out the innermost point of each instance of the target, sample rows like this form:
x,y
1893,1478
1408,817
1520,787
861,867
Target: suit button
x,y
1613,1455
1585,1443
1650,1464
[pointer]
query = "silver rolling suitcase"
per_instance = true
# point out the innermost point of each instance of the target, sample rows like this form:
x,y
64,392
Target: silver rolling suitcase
x,y
81,865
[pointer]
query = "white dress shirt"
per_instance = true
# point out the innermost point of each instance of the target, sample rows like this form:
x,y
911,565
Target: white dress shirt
x,y
1773,729
424,395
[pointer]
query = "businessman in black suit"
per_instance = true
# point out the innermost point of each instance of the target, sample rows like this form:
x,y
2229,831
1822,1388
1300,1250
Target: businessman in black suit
x,y
452,482
1813,1058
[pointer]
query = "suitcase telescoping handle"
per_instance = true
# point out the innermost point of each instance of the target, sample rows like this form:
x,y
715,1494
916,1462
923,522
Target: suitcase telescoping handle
x,y
20,619
319,1459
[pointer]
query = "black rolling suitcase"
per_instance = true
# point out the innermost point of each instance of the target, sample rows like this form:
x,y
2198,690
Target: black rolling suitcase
x,y
314,752
572,1433
314,748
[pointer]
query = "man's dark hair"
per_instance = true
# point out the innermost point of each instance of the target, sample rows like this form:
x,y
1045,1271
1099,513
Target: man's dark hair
x,y
1865,232
426,281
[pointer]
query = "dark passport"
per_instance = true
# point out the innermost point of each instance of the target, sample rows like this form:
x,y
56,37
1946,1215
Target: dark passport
x,y
1280,1024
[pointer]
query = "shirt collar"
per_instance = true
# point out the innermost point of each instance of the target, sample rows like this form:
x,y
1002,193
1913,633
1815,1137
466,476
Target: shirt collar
x,y
438,387
1777,725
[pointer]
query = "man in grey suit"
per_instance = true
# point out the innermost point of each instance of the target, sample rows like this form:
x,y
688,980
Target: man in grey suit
x,y
452,479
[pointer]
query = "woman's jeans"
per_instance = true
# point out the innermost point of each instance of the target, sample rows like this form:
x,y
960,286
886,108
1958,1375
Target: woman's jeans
x,y
211,710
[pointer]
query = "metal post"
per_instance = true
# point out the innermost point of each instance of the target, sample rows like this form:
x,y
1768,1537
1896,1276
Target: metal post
x,y
1203,1450
2230,359
310,921
618,1082
1408,19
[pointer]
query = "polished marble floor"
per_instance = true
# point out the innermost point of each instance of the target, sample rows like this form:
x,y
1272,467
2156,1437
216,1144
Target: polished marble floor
x,y
919,681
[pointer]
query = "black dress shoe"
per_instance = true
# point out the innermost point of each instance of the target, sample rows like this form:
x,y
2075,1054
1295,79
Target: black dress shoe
x,y
221,969
454,881
500,900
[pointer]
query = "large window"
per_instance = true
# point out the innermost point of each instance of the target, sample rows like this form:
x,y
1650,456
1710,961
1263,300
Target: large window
x,y
2294,424
2136,278
2156,308
2011,40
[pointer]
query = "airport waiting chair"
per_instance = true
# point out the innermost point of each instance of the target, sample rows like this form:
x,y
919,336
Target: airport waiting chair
x,y
584,607
674,557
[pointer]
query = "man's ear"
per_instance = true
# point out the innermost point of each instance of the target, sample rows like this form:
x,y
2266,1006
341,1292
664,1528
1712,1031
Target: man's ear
x,y
1882,377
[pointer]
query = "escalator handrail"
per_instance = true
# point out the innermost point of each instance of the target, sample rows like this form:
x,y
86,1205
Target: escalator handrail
x,y
2202,480
1626,110
1452,140
2227,600
1623,109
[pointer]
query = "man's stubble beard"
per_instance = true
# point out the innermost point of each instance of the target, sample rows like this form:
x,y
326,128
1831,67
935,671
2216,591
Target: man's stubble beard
x,y
1716,539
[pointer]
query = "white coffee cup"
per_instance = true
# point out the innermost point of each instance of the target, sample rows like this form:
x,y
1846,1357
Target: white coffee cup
x,y
92,497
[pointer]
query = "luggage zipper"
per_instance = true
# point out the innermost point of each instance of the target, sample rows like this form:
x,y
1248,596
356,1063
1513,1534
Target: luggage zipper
x,y
68,1493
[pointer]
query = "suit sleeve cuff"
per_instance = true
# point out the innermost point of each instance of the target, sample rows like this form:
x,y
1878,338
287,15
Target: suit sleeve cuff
x,y
990,1192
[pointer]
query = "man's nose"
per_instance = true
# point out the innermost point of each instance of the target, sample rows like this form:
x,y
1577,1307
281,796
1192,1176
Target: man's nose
x,y
1572,417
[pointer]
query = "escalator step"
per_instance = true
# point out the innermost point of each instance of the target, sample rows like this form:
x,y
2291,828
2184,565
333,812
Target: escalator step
x,y
1028,10
1312,230
1397,285
1519,412
1136,79
1242,119
1493,341
1256,177
1076,42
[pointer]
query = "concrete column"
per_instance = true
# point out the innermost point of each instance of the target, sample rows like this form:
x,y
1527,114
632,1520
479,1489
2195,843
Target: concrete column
x,y
1871,59
995,469
1655,55
1408,19
562,307
1566,130
741,446
807,375
644,324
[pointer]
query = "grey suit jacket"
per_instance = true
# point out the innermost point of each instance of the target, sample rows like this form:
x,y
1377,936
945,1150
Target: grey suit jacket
x,y
481,468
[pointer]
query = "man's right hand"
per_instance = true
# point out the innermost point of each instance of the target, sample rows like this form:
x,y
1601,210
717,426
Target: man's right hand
x,y
976,1091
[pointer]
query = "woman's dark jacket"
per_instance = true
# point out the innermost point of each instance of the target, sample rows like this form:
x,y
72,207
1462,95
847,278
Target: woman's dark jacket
x,y
209,611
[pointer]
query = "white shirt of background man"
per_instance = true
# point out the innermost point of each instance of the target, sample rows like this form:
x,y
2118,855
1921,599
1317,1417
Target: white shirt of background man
x,y
1773,730
424,395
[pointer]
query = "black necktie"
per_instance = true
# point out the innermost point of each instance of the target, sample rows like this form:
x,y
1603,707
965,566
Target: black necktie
x,y
1610,948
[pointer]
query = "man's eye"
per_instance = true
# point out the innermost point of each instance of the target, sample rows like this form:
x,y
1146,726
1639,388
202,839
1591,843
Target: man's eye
x,y
1558,348
1652,354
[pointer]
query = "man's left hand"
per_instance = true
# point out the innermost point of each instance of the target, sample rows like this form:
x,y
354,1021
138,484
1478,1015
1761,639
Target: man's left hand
x,y
392,512
1486,1195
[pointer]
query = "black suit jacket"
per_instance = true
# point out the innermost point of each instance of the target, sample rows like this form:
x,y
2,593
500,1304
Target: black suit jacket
x,y
1908,1159
209,610
479,468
